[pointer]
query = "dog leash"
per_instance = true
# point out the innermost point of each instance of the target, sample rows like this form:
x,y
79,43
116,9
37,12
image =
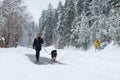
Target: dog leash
x,y
46,51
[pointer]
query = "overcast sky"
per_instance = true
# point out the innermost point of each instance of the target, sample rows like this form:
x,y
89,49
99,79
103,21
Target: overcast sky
x,y
35,7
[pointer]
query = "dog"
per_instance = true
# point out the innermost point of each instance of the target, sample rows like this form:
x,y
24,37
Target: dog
x,y
53,55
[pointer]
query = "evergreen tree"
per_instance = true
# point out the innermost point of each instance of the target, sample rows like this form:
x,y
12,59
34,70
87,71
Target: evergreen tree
x,y
69,18
80,32
76,24
54,24
114,23
60,26
42,21
48,29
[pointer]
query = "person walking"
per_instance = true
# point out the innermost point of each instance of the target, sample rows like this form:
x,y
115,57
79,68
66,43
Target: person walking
x,y
37,45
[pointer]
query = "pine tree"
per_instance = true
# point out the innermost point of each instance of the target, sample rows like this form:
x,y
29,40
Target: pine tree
x,y
69,18
113,22
76,24
54,24
80,32
60,26
48,29
42,21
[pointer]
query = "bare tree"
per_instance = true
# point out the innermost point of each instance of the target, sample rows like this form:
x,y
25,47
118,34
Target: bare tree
x,y
13,19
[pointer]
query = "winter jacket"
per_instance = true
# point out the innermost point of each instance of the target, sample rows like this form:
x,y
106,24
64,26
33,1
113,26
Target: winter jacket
x,y
37,44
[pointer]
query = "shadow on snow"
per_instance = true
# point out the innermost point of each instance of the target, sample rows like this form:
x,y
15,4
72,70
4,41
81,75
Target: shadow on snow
x,y
42,60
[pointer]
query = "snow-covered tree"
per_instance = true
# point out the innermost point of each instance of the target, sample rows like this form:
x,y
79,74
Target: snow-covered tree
x,y
114,24
47,25
42,21
76,24
60,26
48,29
80,22
81,29
14,18
68,20
90,23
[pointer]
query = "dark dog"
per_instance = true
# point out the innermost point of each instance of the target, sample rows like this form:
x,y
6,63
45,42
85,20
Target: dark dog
x,y
53,55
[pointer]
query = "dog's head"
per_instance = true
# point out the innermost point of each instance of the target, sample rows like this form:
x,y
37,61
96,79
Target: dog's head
x,y
54,51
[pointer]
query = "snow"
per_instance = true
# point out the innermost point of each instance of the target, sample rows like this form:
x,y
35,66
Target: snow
x,y
1,38
72,64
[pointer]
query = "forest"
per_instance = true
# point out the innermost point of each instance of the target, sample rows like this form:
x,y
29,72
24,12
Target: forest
x,y
76,23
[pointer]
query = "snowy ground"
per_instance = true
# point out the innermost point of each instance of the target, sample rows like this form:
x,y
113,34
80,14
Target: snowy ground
x,y
72,64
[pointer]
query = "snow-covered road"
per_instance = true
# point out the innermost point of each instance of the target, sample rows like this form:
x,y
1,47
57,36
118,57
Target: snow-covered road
x,y
72,64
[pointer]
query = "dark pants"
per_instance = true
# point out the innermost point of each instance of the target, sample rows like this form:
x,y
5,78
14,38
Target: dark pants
x,y
37,54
